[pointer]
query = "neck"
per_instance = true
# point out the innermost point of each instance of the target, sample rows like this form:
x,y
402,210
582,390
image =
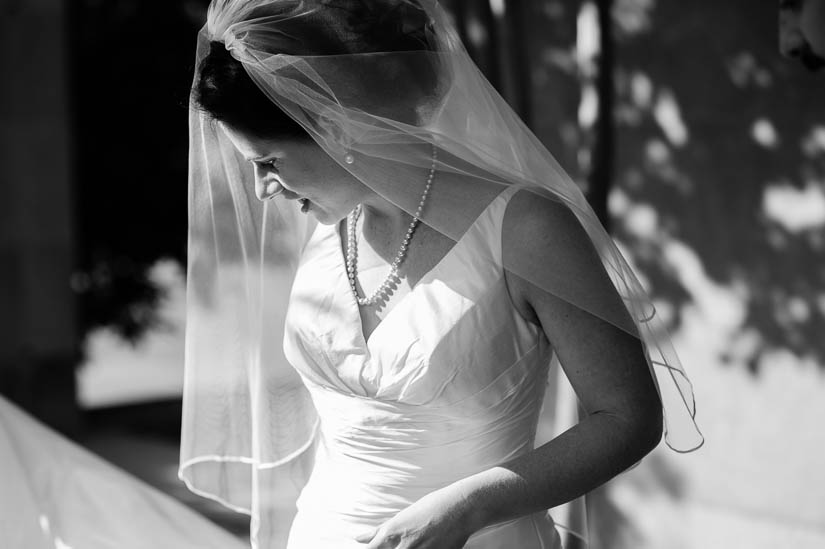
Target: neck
x,y
384,218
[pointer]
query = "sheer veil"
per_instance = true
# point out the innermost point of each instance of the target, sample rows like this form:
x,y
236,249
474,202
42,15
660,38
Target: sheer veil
x,y
247,417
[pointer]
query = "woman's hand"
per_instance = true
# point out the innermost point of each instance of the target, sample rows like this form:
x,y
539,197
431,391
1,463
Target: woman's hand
x,y
439,520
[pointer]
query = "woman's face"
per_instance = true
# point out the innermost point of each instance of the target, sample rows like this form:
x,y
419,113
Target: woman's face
x,y
293,169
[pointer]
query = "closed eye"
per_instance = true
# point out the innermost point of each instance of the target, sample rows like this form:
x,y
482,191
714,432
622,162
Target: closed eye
x,y
272,164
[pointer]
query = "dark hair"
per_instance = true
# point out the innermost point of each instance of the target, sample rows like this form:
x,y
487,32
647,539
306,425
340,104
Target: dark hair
x,y
226,92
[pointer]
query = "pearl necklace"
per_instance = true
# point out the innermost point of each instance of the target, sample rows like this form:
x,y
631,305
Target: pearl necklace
x,y
352,251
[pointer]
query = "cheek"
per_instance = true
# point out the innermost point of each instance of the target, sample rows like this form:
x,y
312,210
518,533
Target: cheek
x,y
334,179
312,171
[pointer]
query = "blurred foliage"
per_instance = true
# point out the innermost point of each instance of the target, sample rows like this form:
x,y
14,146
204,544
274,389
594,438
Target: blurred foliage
x,y
710,118
131,71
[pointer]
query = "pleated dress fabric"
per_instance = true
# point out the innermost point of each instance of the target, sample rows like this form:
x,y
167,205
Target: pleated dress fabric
x,y
450,383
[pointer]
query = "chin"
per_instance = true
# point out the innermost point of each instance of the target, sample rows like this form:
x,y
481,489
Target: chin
x,y
324,218
325,221
329,215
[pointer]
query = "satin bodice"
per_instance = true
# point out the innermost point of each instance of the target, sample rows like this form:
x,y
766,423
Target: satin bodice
x,y
448,384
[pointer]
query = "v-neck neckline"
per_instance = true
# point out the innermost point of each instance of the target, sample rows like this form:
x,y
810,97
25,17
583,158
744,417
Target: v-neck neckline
x,y
366,341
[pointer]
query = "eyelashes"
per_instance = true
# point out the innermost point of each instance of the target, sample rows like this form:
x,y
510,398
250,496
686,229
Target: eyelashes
x,y
273,164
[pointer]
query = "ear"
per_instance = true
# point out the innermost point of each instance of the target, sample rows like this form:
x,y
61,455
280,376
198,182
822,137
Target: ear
x,y
332,130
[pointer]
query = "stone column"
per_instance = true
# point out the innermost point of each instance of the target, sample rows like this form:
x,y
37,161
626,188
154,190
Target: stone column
x,y
38,331
548,40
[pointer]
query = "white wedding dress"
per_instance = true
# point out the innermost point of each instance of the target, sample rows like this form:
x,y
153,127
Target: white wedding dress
x,y
450,383
57,495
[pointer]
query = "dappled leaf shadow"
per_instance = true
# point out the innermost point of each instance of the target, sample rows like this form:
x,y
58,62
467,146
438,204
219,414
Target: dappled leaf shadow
x,y
711,121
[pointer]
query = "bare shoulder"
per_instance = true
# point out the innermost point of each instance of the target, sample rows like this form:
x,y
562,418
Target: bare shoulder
x,y
543,240
573,300
531,215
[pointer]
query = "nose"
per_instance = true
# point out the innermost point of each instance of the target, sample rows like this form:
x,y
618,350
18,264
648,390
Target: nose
x,y
267,185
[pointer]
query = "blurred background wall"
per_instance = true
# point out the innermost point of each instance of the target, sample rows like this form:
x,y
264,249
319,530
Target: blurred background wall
x,y
38,328
718,196
701,147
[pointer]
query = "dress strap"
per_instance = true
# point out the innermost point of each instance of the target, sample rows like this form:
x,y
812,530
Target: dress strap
x,y
488,227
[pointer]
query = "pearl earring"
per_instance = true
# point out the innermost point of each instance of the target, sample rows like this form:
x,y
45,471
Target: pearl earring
x,y
349,159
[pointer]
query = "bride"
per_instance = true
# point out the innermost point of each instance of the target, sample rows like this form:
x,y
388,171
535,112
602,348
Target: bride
x,y
376,329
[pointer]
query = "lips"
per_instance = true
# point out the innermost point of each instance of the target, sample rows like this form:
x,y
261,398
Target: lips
x,y
304,201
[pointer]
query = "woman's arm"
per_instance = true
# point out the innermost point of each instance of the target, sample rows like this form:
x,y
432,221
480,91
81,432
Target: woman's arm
x,y
604,364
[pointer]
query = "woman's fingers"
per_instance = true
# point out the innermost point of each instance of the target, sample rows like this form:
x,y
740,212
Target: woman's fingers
x,y
379,540
367,536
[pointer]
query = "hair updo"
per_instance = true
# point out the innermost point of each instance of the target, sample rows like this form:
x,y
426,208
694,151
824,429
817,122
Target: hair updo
x,y
227,94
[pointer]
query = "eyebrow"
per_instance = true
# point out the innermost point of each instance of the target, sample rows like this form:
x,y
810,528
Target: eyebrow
x,y
260,158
